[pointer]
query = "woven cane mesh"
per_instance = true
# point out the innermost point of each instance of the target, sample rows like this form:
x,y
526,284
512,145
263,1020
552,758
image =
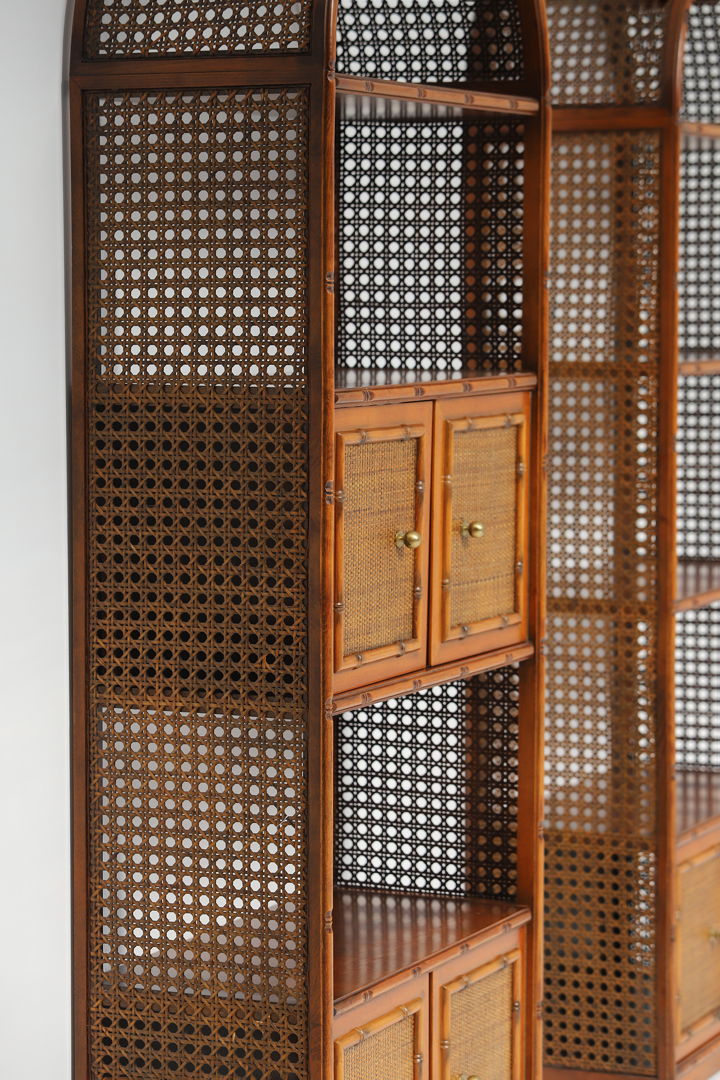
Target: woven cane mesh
x,y
481,1028
606,52
699,955
429,42
379,577
187,27
699,279
484,488
698,483
427,791
701,75
697,715
388,1054
430,247
600,689
197,586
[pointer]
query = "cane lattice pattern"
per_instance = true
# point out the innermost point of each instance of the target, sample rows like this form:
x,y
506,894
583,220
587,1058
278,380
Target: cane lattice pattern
x,y
699,280
429,42
171,27
697,689
606,52
197,723
387,1054
427,791
481,1027
698,457
430,246
600,690
701,76
699,961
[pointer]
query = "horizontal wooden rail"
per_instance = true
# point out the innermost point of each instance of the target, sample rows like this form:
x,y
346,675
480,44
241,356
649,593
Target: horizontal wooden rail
x,y
422,96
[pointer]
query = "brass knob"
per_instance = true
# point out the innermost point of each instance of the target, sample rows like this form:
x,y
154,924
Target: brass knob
x,y
475,529
410,539
714,935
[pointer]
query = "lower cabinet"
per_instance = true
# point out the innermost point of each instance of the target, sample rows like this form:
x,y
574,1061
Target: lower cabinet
x,y
463,1020
699,948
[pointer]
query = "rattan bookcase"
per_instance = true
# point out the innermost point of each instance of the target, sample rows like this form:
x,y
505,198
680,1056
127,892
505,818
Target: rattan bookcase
x,y
309,249
633,682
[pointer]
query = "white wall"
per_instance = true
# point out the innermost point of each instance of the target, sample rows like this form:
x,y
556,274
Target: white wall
x,y
34,814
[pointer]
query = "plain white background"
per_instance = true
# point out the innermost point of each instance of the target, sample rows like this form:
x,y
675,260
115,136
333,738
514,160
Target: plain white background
x,y
34,808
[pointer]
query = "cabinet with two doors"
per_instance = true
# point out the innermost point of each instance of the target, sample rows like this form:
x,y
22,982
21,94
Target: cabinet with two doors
x,y
431,530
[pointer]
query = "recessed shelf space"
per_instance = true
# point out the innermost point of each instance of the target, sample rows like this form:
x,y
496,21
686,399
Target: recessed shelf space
x,y
698,798
378,935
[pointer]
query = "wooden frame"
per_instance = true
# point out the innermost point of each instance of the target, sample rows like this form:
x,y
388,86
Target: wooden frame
x,y
454,642
515,102
417,1008
706,1028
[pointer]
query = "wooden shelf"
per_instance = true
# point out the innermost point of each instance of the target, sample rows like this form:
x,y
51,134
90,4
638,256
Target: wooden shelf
x,y
697,799
699,363
698,584
358,97
434,676
703,131
379,935
354,387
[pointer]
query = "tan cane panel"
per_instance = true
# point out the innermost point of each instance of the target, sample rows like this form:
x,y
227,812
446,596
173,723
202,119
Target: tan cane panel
x,y
388,1054
197,466
482,572
699,939
188,27
482,1023
379,580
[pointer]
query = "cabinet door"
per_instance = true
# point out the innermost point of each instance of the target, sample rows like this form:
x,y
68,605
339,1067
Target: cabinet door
x,y
389,1047
480,518
382,476
699,945
479,1021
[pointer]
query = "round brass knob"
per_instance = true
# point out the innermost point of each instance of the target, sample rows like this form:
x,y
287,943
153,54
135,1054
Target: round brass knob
x,y
475,529
714,935
410,539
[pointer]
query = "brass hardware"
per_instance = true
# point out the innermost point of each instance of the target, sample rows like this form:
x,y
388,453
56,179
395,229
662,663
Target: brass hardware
x,y
409,539
714,935
475,529
521,468
520,567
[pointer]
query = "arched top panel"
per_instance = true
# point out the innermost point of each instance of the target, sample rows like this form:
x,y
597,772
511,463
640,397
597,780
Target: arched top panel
x,y
431,41
607,52
157,28
701,76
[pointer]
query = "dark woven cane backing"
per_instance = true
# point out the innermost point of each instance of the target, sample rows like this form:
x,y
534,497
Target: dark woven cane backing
x,y
701,75
481,1028
699,940
601,690
197,457
387,1054
484,489
379,577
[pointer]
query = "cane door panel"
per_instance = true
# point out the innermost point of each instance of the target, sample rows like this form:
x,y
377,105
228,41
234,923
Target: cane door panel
x,y
391,1046
480,518
699,944
479,1020
382,478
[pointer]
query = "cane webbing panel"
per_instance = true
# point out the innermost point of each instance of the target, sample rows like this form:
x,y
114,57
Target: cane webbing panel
x,y
378,577
606,52
427,791
430,42
484,488
698,486
699,953
602,629
481,1028
430,246
697,689
701,76
197,593
387,1054
699,280
168,27
600,953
